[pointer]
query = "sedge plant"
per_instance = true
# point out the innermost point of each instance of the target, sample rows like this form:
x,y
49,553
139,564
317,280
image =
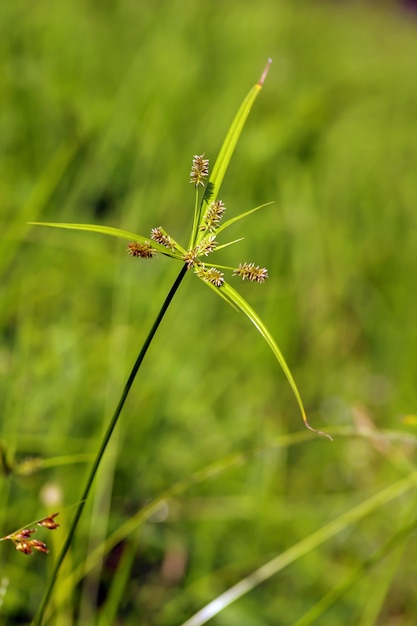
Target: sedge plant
x,y
208,224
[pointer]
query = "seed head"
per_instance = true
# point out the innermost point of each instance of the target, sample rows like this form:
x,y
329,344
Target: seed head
x,y
49,522
23,546
144,250
213,216
190,257
199,170
23,543
248,271
206,245
210,275
39,545
162,238
21,535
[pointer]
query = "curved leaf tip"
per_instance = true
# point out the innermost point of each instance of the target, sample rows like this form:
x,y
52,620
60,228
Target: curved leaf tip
x,y
265,73
314,430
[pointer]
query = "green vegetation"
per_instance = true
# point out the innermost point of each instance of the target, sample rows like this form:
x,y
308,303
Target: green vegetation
x,y
210,489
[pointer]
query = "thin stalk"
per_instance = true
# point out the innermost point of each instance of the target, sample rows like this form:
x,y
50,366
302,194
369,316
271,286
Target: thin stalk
x,y
110,428
194,232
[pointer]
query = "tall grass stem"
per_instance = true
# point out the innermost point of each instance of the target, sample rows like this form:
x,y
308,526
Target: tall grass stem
x,y
106,438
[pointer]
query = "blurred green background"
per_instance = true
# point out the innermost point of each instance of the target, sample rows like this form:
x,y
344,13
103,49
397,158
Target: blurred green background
x,y
103,105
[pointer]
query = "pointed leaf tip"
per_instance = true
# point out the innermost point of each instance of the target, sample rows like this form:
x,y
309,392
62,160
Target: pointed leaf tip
x,y
265,73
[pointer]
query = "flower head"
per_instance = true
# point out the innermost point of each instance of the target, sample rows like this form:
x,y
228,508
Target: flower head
x,y
23,542
199,170
210,275
248,271
206,245
49,522
143,250
22,538
213,216
161,237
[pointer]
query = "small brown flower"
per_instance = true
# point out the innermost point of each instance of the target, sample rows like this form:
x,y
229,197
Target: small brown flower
x,y
23,546
39,545
199,170
143,250
23,543
49,522
22,538
32,544
22,535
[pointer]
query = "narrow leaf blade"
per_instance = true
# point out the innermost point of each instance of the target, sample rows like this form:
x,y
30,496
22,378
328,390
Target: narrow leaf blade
x,y
241,216
238,301
226,152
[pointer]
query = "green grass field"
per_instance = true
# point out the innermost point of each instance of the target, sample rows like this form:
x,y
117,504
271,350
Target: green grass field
x,y
210,474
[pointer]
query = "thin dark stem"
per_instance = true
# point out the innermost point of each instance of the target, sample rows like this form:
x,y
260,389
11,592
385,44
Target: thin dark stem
x,y
112,424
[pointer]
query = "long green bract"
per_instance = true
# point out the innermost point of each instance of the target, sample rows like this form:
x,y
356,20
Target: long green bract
x,y
113,232
226,152
233,220
237,301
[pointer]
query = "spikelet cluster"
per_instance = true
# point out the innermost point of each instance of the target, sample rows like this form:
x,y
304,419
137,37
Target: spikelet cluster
x,y
22,538
143,250
205,247
252,272
209,225
199,170
210,275
213,216
161,237
190,257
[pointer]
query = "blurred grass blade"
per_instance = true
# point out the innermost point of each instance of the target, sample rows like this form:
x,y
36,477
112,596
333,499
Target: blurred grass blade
x,y
151,508
396,541
300,549
39,197
119,582
238,301
209,472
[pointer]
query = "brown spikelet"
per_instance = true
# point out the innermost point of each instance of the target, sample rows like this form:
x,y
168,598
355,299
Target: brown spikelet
x,y
23,543
49,522
143,250
39,545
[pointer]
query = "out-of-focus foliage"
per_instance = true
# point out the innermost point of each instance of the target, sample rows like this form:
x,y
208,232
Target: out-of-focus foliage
x,y
103,105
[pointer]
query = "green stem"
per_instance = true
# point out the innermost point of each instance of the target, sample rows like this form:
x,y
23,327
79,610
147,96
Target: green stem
x,y
112,424
194,232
